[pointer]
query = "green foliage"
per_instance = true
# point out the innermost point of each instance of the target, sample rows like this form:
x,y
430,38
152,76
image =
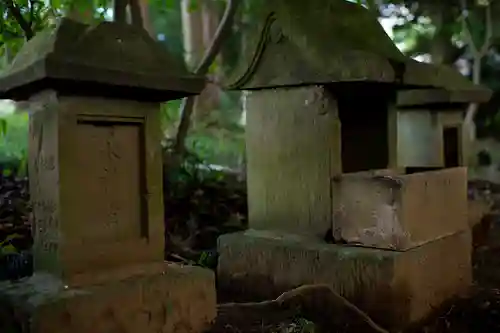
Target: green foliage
x,y
7,247
166,20
202,204
299,325
218,138
414,33
14,141
22,19
3,127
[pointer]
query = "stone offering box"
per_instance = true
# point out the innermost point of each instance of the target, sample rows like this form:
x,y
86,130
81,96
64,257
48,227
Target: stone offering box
x,y
398,210
95,168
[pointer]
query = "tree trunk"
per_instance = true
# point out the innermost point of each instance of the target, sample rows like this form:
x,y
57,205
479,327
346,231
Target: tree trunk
x,y
223,32
473,107
120,11
146,19
442,49
478,52
209,98
192,28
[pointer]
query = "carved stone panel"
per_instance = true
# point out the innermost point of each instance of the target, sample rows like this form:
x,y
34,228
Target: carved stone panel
x,y
110,181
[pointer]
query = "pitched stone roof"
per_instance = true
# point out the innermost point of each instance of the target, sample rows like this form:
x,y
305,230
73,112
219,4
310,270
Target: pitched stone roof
x,y
296,42
106,58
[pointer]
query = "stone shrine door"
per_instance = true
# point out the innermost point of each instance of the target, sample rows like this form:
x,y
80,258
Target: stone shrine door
x,y
451,146
364,133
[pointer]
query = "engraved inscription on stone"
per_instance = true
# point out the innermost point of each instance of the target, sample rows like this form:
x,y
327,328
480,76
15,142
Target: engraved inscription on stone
x,y
46,224
109,185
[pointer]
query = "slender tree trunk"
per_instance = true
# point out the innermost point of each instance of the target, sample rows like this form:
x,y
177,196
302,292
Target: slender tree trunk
x,y
192,28
442,48
478,53
209,98
147,24
120,11
223,31
136,13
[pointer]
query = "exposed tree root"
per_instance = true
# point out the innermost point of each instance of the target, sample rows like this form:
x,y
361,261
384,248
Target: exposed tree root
x,y
318,298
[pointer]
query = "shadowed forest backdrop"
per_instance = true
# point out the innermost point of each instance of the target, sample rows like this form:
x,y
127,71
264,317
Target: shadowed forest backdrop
x,y
205,136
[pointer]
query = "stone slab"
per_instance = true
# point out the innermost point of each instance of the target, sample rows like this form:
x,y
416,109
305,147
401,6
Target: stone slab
x,y
395,288
287,182
159,298
397,210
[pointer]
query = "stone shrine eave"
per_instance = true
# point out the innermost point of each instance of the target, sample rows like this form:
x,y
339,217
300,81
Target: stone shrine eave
x,y
106,59
413,80
422,97
272,70
293,45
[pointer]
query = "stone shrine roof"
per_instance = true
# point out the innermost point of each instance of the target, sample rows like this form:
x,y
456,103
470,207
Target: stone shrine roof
x,y
296,42
108,59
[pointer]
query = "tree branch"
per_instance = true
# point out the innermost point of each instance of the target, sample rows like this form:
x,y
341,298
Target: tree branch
x,y
465,27
18,16
489,32
373,7
187,107
481,51
32,11
319,301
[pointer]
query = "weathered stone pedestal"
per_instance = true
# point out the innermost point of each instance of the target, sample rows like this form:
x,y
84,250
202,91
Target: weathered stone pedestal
x,y
95,167
153,298
413,247
395,288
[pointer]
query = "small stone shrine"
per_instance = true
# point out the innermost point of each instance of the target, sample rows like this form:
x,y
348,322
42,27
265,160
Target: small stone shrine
x,y
95,166
349,142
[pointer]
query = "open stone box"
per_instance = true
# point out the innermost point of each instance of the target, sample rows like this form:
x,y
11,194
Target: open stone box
x,y
399,208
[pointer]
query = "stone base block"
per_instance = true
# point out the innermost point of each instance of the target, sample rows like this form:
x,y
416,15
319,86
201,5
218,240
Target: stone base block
x,y
395,288
167,298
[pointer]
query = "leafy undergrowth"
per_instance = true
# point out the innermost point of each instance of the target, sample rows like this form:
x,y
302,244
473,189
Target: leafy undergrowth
x,y
200,204
477,313
15,227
